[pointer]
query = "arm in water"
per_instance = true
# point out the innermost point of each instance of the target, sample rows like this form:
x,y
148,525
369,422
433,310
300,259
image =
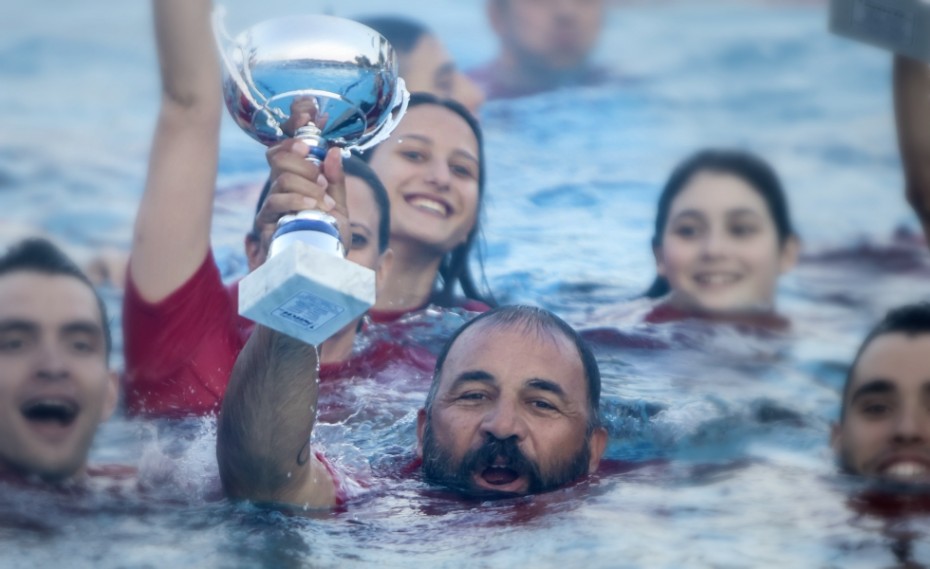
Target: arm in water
x,y
263,432
912,110
172,231
268,413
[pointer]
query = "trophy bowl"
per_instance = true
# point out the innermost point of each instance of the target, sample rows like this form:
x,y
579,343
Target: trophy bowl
x,y
346,69
330,82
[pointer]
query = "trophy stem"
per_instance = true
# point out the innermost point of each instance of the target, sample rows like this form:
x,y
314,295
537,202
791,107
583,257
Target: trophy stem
x,y
310,135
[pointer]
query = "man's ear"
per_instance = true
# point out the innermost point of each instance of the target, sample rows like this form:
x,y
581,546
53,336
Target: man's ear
x,y
789,253
597,445
253,251
383,272
660,260
421,430
111,397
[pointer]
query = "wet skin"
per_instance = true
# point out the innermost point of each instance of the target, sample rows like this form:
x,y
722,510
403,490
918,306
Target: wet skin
x,y
510,384
720,250
886,429
430,169
428,68
55,386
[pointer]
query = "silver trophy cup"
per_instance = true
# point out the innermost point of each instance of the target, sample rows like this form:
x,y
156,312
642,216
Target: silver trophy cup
x,y
343,76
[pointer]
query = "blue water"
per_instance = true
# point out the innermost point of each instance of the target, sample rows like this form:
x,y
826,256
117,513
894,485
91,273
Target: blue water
x,y
731,429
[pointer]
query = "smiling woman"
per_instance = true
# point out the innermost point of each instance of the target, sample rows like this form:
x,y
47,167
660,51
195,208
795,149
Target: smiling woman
x,y
432,167
723,235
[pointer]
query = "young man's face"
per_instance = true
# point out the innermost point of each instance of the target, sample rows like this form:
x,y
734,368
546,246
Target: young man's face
x,y
510,416
552,35
885,432
55,385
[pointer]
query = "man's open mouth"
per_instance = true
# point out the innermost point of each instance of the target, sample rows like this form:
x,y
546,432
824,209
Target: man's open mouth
x,y
53,412
499,475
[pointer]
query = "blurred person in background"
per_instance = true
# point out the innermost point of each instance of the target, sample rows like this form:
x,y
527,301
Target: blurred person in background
x,y
544,45
424,63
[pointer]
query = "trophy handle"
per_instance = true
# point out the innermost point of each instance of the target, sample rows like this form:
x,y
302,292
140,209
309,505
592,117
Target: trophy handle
x,y
223,45
401,99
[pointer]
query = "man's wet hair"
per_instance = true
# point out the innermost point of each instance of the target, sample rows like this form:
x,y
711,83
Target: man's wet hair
x,y
40,255
533,320
910,320
352,166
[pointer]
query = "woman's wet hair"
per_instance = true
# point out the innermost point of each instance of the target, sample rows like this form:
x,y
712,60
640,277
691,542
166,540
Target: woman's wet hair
x,y
402,33
744,165
454,270
352,166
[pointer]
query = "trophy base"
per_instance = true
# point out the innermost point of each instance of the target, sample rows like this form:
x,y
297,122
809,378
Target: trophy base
x,y
901,26
306,293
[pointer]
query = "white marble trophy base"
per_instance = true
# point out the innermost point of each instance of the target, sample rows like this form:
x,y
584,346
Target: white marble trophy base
x,y
901,26
306,293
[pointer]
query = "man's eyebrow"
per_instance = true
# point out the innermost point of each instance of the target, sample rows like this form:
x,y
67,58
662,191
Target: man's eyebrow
x,y
472,375
875,386
15,325
82,327
546,385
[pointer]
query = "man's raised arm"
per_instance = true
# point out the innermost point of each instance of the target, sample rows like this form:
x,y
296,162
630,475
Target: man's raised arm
x,y
172,231
263,432
912,110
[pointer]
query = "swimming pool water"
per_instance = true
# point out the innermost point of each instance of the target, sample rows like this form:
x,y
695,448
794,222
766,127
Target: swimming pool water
x,y
729,430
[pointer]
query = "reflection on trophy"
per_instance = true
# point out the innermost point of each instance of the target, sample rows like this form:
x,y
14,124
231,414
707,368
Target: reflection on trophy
x,y
341,78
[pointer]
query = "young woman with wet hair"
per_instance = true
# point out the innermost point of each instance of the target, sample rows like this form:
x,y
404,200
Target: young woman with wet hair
x,y
723,236
433,169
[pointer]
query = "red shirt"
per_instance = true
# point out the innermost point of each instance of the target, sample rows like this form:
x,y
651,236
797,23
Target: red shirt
x,y
180,351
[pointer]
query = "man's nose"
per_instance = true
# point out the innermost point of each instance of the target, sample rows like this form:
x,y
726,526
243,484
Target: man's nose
x,y
51,362
504,421
910,425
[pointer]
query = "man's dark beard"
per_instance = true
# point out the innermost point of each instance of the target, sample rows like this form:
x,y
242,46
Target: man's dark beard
x,y
440,468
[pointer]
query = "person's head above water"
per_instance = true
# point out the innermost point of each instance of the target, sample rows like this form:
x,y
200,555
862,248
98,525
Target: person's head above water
x,y
884,426
424,63
723,234
369,217
433,169
544,44
513,407
55,383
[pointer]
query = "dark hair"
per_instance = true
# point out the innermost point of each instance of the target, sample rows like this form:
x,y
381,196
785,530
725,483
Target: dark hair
x,y
352,166
402,33
41,256
749,167
454,268
536,319
910,319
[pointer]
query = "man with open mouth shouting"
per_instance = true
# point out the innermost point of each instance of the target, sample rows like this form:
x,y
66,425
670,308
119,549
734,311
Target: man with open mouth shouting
x,y
512,410
55,383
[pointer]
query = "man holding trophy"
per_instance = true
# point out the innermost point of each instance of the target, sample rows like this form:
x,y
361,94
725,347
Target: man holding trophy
x,y
182,327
